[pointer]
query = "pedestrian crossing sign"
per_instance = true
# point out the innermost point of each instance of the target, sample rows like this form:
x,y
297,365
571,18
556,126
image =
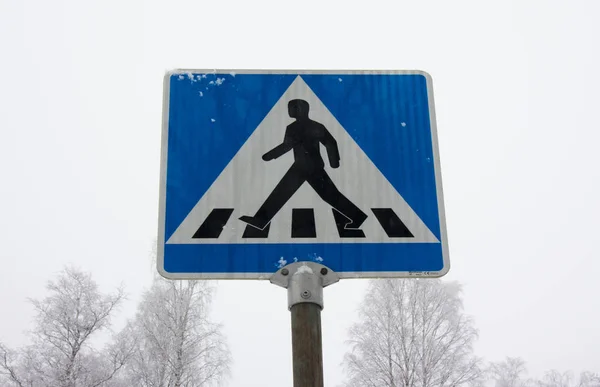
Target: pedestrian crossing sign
x,y
260,169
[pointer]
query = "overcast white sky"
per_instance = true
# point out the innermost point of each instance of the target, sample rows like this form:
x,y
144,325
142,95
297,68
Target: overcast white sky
x,y
516,90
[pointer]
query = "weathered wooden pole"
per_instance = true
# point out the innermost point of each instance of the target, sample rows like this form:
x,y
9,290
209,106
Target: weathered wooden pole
x,y
305,282
307,349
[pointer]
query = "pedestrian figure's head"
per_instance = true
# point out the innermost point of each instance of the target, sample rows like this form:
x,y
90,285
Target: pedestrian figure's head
x,y
298,108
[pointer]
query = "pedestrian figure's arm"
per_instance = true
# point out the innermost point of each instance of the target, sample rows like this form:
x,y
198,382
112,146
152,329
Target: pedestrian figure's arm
x,y
280,149
332,149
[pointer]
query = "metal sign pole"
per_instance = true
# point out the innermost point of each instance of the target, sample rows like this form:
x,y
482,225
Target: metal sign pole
x,y
304,282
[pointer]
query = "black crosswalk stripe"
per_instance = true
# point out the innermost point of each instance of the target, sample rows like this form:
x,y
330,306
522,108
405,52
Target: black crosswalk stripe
x,y
340,222
303,225
253,232
214,223
391,223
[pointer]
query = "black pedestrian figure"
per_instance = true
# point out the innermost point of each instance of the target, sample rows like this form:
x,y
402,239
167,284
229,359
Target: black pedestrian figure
x,y
304,136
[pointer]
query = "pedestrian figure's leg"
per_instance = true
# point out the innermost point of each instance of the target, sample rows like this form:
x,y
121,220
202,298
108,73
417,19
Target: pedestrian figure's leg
x,y
283,191
322,184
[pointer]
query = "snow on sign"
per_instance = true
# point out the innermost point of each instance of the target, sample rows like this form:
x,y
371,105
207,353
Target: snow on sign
x,y
264,168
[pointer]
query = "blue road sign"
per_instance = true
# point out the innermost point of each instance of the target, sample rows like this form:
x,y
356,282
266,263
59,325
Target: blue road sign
x,y
265,168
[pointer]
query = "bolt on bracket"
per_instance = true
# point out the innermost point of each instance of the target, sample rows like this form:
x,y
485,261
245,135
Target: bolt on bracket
x,y
304,281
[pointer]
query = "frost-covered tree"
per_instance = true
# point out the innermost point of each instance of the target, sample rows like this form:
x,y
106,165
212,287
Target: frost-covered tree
x,y
66,320
510,372
554,378
412,333
176,343
589,379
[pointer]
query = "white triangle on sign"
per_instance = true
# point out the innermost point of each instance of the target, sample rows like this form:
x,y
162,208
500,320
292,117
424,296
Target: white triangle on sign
x,y
247,181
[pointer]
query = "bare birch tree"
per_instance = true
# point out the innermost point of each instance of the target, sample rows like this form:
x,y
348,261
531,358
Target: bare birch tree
x,y
412,333
589,379
510,372
59,354
554,378
177,344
